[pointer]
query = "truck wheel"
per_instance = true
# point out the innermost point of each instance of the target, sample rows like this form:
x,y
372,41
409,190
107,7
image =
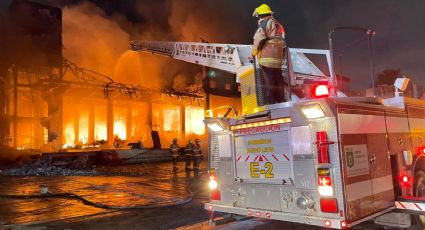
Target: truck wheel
x,y
420,192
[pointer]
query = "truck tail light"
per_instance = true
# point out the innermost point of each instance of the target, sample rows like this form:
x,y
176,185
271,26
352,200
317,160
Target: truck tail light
x,y
213,182
329,205
322,147
327,223
321,91
325,186
344,224
215,193
324,181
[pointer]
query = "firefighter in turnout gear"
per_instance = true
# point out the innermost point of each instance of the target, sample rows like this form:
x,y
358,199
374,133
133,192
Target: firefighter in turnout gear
x,y
269,51
174,149
196,151
188,155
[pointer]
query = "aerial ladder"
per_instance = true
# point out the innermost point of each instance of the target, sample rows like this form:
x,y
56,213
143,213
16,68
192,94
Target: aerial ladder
x,y
321,158
237,59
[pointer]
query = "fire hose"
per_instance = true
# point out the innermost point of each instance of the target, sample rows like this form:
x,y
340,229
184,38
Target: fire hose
x,y
66,195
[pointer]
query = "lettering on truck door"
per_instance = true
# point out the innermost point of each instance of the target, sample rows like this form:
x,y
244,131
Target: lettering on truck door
x,y
263,157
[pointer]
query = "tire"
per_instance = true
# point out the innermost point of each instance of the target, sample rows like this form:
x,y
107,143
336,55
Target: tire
x,y
419,190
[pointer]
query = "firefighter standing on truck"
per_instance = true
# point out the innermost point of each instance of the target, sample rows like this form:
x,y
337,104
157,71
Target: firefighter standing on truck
x,y
269,50
174,149
196,151
188,155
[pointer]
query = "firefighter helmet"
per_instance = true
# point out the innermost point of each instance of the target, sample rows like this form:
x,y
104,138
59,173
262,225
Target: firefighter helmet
x,y
190,141
262,9
174,140
197,141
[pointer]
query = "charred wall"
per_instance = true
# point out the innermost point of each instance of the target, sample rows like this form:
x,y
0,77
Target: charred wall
x,y
30,45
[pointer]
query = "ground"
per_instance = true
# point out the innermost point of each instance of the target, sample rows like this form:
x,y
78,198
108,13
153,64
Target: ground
x,y
119,187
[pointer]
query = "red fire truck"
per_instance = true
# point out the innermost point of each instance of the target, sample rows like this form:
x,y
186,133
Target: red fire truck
x,y
320,159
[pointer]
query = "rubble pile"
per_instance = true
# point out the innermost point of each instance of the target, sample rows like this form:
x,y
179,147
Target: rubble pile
x,y
28,170
41,168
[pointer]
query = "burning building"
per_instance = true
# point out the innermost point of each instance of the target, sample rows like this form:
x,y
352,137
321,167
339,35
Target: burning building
x,y
50,103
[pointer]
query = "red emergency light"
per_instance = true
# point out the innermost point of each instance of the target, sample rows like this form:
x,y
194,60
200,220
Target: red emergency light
x,y
320,91
405,180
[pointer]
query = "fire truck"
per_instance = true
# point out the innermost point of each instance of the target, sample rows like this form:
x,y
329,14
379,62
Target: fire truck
x,y
321,158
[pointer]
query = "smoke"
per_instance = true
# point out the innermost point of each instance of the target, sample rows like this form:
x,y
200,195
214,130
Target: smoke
x,y
99,41
91,40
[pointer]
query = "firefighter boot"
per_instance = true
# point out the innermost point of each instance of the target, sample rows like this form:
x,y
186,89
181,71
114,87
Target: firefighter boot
x,y
196,161
174,164
187,165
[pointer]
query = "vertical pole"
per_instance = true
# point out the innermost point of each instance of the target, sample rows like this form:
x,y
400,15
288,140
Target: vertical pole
x,y
150,120
91,124
110,121
15,107
370,33
128,123
340,71
7,111
207,88
76,127
335,82
183,122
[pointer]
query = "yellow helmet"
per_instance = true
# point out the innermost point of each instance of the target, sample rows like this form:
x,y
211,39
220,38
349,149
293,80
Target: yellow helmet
x,y
262,9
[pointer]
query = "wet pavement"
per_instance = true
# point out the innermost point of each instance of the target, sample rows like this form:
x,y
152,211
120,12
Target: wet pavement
x,y
146,185
134,187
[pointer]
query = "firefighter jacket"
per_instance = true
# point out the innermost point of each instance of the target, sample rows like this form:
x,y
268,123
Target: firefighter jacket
x,y
189,149
174,149
196,150
269,43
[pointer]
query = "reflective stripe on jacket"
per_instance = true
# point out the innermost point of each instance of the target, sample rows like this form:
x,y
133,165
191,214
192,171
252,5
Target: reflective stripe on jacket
x,y
269,42
196,150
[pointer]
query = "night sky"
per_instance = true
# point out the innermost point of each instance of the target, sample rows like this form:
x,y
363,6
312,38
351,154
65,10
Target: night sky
x,y
398,44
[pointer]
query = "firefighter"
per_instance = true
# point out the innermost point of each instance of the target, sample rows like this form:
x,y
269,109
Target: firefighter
x,y
188,151
269,50
174,149
196,151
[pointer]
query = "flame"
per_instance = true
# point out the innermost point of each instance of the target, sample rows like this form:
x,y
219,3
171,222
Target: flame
x,y
194,121
69,133
171,119
83,129
120,129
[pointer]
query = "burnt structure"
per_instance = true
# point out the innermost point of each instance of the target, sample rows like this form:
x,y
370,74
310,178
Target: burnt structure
x,y
32,44
49,102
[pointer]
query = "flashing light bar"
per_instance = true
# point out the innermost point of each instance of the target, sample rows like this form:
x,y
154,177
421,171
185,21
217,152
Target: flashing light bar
x,y
262,123
321,91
